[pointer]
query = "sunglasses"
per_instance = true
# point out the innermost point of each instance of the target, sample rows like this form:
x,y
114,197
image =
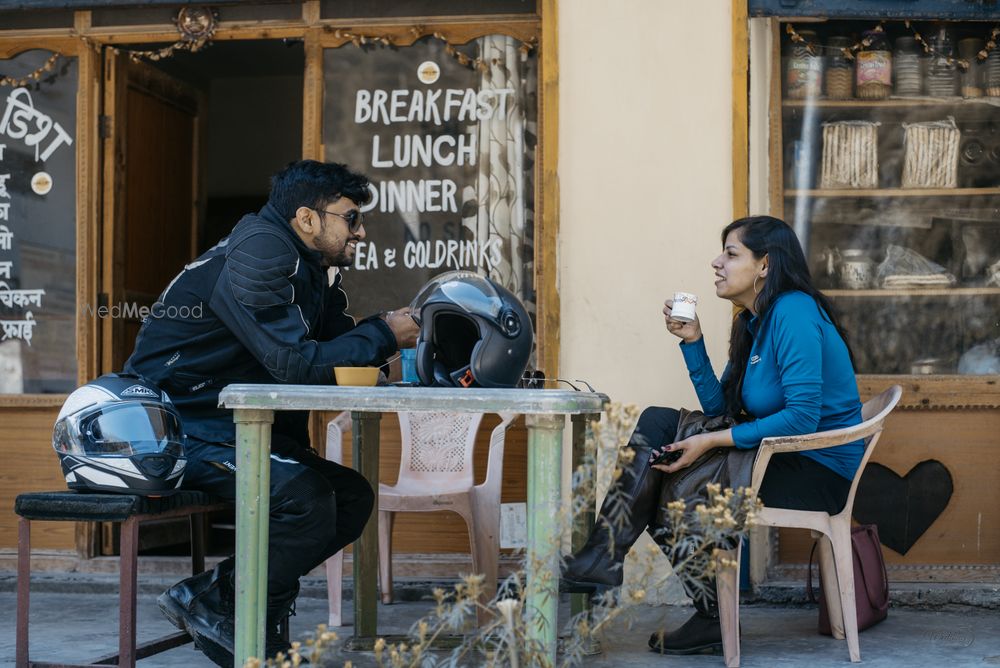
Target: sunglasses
x,y
354,218
536,380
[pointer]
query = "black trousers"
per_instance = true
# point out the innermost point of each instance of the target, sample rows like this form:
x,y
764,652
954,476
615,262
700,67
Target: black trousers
x,y
317,506
792,481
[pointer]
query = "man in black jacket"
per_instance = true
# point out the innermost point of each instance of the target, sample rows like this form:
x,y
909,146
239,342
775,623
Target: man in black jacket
x,y
265,305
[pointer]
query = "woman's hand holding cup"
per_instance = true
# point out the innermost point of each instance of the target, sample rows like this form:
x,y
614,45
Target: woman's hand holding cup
x,y
688,330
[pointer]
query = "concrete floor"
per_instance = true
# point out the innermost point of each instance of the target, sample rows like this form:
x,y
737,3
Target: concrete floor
x,y
82,625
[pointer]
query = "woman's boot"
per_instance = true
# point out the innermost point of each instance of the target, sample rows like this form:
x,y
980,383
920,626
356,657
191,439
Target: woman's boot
x,y
598,565
701,633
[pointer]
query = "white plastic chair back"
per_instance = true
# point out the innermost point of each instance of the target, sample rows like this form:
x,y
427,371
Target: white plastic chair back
x,y
438,446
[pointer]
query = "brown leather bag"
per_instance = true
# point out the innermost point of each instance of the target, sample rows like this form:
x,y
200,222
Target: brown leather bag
x,y
871,585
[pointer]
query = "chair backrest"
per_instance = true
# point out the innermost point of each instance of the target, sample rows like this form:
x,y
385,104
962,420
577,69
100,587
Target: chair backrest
x,y
873,412
438,445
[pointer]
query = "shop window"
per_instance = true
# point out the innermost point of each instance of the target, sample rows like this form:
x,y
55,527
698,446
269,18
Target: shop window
x,y
889,146
38,225
450,150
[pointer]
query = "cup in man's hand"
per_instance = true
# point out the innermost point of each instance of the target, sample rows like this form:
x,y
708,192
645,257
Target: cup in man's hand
x,y
683,307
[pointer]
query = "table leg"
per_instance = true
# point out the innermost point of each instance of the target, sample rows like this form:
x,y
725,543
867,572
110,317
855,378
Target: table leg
x,y
253,508
584,522
544,498
365,454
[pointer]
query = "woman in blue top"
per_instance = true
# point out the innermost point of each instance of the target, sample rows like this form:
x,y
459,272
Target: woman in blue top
x,y
790,372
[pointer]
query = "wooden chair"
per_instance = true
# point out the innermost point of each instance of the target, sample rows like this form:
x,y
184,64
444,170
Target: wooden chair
x,y
130,511
834,531
435,473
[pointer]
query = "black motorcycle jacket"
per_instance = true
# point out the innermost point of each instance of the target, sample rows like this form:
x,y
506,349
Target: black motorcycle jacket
x,y
258,307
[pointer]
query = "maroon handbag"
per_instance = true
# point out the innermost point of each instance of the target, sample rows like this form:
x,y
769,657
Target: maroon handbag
x,y
871,586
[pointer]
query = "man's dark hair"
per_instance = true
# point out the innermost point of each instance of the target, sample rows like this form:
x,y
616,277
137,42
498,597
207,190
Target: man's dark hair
x,y
315,184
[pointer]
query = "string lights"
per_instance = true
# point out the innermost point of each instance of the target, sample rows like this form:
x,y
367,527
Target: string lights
x,y
33,76
418,31
196,25
849,52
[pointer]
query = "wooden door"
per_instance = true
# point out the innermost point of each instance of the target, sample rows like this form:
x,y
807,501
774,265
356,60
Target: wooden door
x,y
153,127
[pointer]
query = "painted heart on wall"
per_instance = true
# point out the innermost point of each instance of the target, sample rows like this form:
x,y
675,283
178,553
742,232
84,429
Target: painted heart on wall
x,y
903,507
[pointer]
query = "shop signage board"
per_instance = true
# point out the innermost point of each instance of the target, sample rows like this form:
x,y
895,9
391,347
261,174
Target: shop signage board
x,y
449,150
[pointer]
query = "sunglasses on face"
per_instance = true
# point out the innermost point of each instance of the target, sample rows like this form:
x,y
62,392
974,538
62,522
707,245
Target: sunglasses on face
x,y
354,218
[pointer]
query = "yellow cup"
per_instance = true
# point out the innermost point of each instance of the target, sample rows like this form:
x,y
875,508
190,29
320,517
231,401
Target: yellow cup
x,y
356,375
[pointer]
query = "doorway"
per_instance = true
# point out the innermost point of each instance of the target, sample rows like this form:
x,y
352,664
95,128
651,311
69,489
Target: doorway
x,y
190,143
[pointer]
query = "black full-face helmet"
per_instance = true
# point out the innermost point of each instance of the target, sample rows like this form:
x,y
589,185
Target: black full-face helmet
x,y
473,332
120,433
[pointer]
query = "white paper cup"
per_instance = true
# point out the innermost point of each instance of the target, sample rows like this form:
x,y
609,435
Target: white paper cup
x,y
683,308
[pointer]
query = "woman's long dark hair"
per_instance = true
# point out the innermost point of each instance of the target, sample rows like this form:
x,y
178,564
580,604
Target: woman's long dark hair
x,y
787,270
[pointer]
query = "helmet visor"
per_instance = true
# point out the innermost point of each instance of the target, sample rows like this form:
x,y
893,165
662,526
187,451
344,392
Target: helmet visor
x,y
130,429
470,291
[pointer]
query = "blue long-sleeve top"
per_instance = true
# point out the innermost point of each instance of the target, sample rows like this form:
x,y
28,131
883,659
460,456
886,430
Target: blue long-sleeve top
x,y
799,380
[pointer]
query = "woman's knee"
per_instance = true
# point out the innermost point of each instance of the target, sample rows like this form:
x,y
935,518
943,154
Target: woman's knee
x,y
656,426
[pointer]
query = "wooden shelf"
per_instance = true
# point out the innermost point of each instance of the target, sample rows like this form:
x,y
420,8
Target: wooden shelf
x,y
913,292
936,391
895,192
908,102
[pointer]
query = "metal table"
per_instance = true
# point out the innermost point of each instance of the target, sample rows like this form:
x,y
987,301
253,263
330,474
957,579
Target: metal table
x,y
253,411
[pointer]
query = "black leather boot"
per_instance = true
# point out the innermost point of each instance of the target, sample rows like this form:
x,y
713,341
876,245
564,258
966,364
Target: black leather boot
x,y
279,607
175,603
701,633
598,565
210,620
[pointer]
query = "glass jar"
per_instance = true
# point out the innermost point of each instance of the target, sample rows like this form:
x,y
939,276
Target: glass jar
x,y
991,73
873,70
839,70
804,74
972,76
906,67
942,75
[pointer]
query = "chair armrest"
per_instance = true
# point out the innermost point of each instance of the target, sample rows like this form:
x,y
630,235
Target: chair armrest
x,y
820,439
803,442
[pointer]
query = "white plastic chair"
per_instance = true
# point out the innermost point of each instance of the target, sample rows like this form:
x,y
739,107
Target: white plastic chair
x,y
834,531
435,473
335,430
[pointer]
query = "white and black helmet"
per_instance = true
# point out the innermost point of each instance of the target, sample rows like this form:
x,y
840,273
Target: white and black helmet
x,y
473,332
120,433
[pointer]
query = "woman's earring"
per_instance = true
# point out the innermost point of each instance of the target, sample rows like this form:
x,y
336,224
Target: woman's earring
x,y
755,290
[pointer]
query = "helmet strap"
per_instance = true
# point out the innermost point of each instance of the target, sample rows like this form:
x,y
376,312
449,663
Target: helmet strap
x,y
464,377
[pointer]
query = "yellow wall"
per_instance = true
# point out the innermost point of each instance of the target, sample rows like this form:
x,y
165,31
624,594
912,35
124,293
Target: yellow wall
x,y
645,163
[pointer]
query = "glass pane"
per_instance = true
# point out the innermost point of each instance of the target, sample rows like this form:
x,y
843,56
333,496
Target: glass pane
x,y
891,170
38,226
449,150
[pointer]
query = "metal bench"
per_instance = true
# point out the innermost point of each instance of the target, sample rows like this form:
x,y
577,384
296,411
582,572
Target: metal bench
x,y
130,511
